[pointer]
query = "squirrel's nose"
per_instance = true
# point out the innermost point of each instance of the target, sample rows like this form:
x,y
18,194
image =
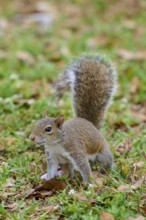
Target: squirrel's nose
x,y
32,137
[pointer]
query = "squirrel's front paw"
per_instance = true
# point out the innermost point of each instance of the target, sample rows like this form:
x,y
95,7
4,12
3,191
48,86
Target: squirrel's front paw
x,y
45,176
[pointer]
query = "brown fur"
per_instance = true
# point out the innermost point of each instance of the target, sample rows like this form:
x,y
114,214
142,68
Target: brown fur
x,y
74,142
77,140
92,88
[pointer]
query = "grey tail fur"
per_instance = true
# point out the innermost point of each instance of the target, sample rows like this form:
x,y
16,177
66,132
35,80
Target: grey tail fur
x,y
92,80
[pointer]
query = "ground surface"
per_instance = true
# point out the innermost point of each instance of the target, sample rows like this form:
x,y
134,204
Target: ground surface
x,y
32,52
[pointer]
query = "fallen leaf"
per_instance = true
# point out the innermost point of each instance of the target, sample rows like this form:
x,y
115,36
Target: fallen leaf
x,y
3,23
127,7
122,188
140,116
10,206
61,218
40,15
3,54
139,112
52,184
47,188
37,195
96,179
93,42
34,6
130,24
132,55
10,140
10,182
124,168
143,197
118,124
42,19
35,95
138,183
80,196
24,102
106,216
134,85
25,57
5,195
51,208
143,208
123,147
138,217
45,193
139,164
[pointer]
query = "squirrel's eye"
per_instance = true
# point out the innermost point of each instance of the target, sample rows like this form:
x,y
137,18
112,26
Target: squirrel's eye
x,y
48,129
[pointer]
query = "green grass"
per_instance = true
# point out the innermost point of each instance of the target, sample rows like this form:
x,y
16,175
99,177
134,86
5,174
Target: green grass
x,y
79,27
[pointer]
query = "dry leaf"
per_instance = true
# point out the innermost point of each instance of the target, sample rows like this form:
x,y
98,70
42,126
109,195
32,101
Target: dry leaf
x,y
52,184
3,23
37,195
40,15
3,54
35,95
25,57
143,208
138,217
5,195
51,208
140,116
123,147
139,112
47,188
10,140
139,164
122,188
130,24
134,85
96,179
24,102
138,183
10,206
127,7
44,6
42,19
106,216
9,183
132,55
81,197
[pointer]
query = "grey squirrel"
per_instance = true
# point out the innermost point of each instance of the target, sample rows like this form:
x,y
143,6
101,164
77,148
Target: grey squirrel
x,y
75,142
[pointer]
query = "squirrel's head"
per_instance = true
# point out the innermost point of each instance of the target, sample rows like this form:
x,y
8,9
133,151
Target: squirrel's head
x,y
47,130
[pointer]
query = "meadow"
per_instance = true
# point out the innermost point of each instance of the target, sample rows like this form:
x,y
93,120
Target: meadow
x,y
37,40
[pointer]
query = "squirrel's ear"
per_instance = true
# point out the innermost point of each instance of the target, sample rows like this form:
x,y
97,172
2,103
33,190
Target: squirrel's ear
x,y
44,114
59,121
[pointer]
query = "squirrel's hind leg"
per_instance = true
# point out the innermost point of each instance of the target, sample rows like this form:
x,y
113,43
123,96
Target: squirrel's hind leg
x,y
71,170
105,160
80,161
68,169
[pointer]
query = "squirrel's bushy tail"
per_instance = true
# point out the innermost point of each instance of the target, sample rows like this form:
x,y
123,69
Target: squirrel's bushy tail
x,y
92,79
